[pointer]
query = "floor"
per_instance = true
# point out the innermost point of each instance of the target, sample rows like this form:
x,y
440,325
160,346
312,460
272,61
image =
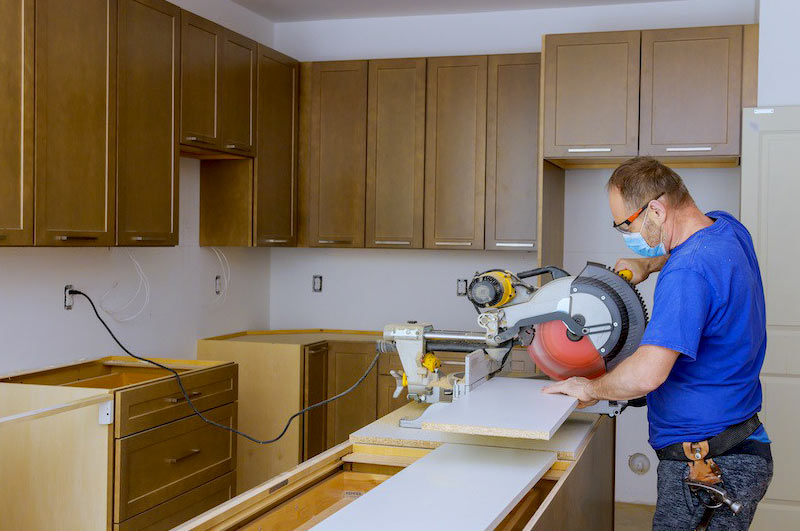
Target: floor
x,y
632,517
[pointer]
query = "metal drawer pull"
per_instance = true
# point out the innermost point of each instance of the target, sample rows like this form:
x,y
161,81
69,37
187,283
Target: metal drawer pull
x,y
237,146
514,244
175,400
190,453
390,242
335,241
704,148
148,239
763,111
589,150
272,240
200,140
454,243
64,238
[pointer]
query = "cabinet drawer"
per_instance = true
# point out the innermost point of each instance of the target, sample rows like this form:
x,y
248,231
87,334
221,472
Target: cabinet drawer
x,y
184,507
156,465
151,405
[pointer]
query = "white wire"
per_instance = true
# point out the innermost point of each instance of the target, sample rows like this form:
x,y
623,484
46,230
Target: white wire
x,y
144,282
224,277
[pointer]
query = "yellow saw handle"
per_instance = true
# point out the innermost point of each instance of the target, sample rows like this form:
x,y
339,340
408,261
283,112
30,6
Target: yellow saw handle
x,y
627,274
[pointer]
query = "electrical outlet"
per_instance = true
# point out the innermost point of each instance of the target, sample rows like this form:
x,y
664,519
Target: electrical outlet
x,y
316,283
68,300
217,284
461,287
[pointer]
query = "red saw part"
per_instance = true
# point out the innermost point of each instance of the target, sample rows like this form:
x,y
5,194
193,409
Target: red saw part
x,y
559,357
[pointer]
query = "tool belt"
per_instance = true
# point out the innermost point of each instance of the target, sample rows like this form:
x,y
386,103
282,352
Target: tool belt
x,y
717,445
704,473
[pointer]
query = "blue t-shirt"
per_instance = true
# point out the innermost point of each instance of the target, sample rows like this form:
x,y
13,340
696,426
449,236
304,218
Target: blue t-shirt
x,y
709,307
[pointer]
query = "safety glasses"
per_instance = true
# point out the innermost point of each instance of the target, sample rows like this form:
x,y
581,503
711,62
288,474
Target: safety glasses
x,y
624,226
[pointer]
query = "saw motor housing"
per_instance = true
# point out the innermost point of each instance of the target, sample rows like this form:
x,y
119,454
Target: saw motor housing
x,y
581,325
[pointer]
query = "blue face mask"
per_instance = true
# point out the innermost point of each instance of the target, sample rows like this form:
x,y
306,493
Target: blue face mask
x,y
636,243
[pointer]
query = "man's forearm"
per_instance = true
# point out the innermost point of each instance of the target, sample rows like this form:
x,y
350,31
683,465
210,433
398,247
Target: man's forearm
x,y
636,376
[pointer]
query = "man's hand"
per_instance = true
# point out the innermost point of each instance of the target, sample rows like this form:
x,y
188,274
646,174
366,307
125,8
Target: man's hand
x,y
576,387
640,267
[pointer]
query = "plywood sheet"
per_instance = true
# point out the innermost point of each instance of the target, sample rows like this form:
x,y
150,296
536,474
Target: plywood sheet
x,y
567,441
484,483
504,407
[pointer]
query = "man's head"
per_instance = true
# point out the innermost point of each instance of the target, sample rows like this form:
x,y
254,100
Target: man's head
x,y
646,197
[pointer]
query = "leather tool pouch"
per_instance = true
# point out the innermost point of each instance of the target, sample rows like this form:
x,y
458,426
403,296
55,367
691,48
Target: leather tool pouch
x,y
701,469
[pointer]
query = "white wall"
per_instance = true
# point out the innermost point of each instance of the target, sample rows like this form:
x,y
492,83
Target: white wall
x,y
231,15
367,289
496,32
778,60
37,331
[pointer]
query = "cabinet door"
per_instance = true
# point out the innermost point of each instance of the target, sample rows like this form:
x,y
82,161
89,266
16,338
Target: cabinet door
x,y
347,362
238,108
455,154
691,91
276,160
395,153
337,153
315,422
75,122
386,401
591,94
512,158
147,121
201,50
16,127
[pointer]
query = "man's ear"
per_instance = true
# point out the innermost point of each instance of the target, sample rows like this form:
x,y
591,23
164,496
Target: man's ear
x,y
658,209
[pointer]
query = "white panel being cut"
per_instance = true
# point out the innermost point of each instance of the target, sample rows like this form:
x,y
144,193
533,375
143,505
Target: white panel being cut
x,y
456,486
504,407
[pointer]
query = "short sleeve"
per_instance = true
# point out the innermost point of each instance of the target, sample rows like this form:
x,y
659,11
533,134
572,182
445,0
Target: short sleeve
x,y
682,303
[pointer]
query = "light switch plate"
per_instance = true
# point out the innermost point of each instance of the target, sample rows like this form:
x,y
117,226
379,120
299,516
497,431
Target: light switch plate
x,y
461,287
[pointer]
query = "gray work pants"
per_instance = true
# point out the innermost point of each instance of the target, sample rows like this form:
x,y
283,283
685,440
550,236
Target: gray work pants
x,y
745,477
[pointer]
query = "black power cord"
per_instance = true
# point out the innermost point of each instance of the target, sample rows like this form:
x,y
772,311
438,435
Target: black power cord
x,y
189,400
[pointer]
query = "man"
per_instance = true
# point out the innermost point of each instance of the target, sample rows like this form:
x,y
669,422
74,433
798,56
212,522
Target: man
x,y
702,352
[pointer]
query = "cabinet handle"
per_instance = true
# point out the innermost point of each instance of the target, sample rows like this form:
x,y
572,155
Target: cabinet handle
x,y
589,150
200,140
190,453
237,147
335,241
703,148
454,243
175,400
65,238
390,242
148,239
273,240
315,350
515,244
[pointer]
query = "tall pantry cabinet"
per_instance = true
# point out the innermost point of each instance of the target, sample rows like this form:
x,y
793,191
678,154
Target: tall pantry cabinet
x,y
16,127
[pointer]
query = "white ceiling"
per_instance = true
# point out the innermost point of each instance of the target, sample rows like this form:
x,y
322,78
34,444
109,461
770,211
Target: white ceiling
x,y
295,10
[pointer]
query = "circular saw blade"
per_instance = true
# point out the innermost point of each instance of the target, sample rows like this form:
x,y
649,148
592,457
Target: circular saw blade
x,y
560,357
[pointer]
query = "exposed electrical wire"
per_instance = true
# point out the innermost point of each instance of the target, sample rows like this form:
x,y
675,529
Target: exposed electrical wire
x,y
189,400
225,269
144,283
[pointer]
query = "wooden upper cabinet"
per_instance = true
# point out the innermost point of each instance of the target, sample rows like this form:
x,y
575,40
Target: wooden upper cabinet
x,y
336,95
201,46
512,154
691,91
237,111
75,122
591,94
276,160
455,154
16,126
395,153
147,121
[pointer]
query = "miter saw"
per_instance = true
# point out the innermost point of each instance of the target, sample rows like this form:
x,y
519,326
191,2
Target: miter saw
x,y
580,325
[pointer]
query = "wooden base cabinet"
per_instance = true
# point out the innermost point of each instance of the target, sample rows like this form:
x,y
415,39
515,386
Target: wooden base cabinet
x,y
114,441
